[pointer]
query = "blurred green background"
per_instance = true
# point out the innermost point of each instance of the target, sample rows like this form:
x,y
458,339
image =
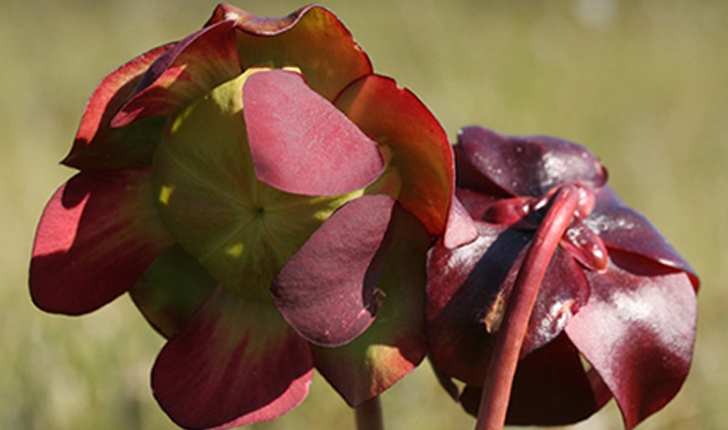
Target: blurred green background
x,y
643,83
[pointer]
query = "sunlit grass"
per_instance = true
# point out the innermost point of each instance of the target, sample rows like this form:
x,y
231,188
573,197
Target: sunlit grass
x,y
644,84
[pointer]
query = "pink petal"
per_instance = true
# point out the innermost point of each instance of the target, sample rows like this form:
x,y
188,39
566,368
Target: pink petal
x,y
460,229
98,234
421,165
170,291
327,291
311,38
395,343
300,142
235,363
638,334
97,146
191,68
529,165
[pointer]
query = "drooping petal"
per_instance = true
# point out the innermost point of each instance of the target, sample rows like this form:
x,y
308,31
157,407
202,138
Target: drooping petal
x,y
97,145
311,39
421,157
623,228
97,235
191,68
240,229
236,362
395,343
529,166
461,228
550,388
586,246
300,142
170,291
327,290
637,332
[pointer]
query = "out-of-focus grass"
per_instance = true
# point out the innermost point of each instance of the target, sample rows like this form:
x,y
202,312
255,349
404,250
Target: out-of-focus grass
x,y
644,84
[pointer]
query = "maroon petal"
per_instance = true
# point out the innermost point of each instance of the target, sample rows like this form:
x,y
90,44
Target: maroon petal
x,y
395,343
235,363
98,234
460,229
529,166
300,142
638,334
97,146
327,290
191,68
623,228
586,246
170,291
550,388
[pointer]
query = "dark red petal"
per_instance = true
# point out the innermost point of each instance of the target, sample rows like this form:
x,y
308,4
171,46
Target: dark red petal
x,y
97,235
586,246
235,363
300,142
461,228
327,290
638,334
191,68
170,291
311,38
421,163
623,228
395,343
550,388
97,146
529,165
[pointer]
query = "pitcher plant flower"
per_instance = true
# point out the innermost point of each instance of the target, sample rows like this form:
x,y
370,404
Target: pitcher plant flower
x,y
567,298
267,201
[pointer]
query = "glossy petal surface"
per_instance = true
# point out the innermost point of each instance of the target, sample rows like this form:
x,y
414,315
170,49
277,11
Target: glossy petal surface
x,y
235,362
638,331
98,234
420,170
326,291
191,68
302,144
97,145
395,342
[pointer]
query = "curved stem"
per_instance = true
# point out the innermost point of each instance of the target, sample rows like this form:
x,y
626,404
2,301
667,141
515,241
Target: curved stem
x,y
507,348
369,415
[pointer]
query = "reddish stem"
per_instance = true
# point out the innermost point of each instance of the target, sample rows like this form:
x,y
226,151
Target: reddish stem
x,y
507,348
369,415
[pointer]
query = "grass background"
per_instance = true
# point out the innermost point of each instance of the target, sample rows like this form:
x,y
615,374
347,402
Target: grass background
x,y
642,83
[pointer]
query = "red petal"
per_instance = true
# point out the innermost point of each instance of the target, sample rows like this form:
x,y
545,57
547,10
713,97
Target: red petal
x,y
421,157
638,334
461,228
311,38
529,166
550,388
327,291
623,228
98,234
97,146
191,68
395,343
300,142
586,246
235,363
170,291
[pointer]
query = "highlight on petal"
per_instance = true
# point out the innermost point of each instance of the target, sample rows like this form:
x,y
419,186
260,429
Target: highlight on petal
x,y
97,145
327,290
395,343
170,291
300,142
191,68
236,362
311,39
98,234
460,229
529,165
421,157
638,332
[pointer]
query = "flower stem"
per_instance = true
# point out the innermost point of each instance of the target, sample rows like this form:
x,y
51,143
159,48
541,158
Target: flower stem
x,y
507,348
369,415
